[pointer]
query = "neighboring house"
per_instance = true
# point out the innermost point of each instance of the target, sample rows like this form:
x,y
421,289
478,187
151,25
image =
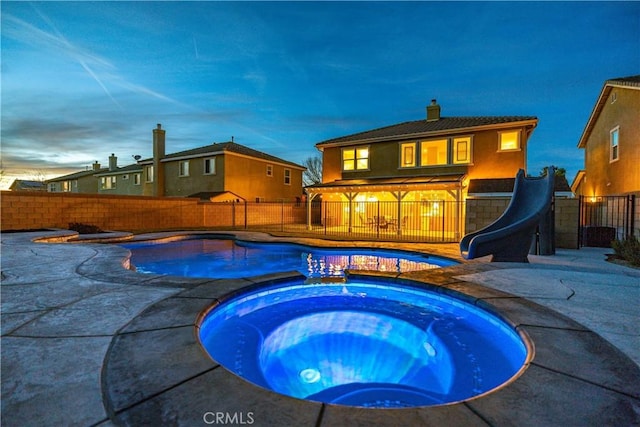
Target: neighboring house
x,y
610,182
430,161
611,142
126,180
25,185
224,171
78,182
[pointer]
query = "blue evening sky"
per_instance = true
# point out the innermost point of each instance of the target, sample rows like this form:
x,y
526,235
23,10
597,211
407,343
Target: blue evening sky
x,y
83,80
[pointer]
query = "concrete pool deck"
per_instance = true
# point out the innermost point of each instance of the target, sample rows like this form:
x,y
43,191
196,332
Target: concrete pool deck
x,y
87,342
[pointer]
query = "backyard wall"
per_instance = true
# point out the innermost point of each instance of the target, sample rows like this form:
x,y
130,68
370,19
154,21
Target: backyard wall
x,y
481,212
30,210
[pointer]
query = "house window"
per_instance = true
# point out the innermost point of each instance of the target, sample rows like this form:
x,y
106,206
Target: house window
x,y
287,176
462,150
614,153
408,155
433,152
149,173
269,170
52,187
108,182
509,141
355,158
136,179
183,168
210,166
65,186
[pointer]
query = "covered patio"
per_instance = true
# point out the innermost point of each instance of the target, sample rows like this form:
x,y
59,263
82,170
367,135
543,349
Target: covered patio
x,y
422,206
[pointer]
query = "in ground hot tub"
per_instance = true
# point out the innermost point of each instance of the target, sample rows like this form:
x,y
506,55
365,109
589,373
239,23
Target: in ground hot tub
x,y
363,343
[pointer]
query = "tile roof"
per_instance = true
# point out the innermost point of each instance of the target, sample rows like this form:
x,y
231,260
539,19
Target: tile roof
x,y
135,167
77,175
625,81
505,185
231,147
419,127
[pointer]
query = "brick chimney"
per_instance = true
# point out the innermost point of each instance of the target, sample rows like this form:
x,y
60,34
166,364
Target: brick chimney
x,y
433,111
158,154
113,162
96,166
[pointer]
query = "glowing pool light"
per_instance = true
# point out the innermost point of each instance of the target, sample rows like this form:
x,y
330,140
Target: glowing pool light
x,y
310,375
370,344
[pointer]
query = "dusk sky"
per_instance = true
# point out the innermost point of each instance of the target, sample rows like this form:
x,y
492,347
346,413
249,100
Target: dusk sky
x,y
83,80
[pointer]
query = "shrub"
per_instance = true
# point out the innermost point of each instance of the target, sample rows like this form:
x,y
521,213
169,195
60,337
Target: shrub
x,y
628,249
84,228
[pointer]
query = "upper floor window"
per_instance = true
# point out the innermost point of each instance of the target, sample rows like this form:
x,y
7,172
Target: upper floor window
x,y
136,179
149,173
408,155
287,176
355,158
462,150
614,153
269,170
433,152
509,141
183,168
210,166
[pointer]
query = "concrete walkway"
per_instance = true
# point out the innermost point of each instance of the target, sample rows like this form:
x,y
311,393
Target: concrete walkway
x,y
87,342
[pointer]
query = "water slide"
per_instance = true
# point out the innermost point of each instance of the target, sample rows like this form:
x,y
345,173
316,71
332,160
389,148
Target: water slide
x,y
509,237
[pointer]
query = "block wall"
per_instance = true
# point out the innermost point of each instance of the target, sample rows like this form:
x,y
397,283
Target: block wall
x,y
31,210
481,212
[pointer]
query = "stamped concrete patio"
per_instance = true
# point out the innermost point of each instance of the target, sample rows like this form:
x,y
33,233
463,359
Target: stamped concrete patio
x,y
86,341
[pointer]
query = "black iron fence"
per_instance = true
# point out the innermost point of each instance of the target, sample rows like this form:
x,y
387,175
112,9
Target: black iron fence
x,y
607,218
425,221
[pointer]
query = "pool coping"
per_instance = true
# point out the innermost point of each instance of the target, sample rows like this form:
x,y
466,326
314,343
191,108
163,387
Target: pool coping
x,y
156,372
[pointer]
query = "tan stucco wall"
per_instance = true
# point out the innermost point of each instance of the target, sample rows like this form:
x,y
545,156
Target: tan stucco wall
x,y
196,182
603,177
248,178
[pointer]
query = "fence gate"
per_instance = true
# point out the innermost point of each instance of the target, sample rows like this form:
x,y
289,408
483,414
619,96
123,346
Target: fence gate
x,y
606,218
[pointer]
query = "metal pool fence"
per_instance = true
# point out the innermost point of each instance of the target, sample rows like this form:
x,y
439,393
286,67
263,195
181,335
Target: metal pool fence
x,y
425,221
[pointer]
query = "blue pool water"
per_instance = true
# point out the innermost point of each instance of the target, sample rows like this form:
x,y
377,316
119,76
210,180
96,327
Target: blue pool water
x,y
229,259
367,344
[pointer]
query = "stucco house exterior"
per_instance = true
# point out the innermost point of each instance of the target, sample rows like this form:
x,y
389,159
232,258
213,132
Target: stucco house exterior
x,y
78,182
430,162
225,171
126,180
611,142
609,185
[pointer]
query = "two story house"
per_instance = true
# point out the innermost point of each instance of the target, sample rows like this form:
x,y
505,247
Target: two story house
x,y
429,162
609,185
611,142
77,182
225,171
126,180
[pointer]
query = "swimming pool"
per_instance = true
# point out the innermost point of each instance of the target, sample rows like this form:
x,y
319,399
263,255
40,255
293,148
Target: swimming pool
x,y
364,343
232,259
